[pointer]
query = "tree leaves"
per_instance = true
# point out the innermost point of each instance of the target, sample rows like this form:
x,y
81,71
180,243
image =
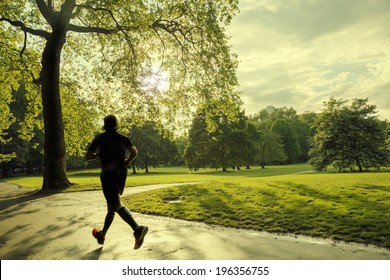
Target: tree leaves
x,y
348,136
108,65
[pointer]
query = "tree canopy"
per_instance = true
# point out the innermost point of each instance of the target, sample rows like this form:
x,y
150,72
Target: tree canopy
x,y
144,59
217,141
348,135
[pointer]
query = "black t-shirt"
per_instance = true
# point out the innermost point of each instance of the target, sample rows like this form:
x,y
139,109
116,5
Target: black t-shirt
x,y
112,148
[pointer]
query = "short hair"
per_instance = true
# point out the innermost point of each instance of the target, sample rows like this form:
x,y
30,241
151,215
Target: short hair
x,y
110,123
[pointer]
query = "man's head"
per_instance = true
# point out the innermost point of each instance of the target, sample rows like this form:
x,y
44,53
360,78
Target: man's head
x,y
110,123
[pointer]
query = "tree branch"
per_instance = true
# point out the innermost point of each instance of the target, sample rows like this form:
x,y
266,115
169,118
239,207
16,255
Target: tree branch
x,y
159,24
24,44
24,28
46,10
119,27
90,29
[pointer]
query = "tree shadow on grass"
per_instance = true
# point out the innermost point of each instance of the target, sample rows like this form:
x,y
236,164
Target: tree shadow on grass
x,y
359,214
356,214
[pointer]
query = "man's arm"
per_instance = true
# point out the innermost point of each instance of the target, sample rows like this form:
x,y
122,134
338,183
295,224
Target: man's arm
x,y
91,152
132,156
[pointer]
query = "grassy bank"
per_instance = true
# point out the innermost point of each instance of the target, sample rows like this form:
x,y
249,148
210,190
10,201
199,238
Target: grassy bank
x,y
349,207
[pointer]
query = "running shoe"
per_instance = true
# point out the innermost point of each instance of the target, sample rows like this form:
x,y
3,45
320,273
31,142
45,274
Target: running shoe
x,y
98,235
139,235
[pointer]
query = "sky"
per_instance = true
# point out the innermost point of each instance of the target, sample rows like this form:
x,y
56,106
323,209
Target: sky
x,y
299,53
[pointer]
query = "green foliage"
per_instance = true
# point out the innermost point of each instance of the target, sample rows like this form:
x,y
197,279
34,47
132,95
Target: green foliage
x,y
217,140
15,145
165,57
154,145
181,143
8,82
348,135
271,149
288,138
387,144
284,135
80,123
16,87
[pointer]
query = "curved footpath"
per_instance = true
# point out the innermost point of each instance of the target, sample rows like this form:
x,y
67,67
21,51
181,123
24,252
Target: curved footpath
x,y
58,226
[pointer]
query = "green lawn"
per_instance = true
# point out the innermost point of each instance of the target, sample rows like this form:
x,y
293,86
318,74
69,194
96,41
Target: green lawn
x,y
88,179
343,206
349,207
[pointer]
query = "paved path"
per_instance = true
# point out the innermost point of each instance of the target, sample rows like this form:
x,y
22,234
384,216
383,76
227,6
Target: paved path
x,y
58,226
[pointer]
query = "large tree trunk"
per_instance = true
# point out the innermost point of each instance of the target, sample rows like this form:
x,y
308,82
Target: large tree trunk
x,y
54,175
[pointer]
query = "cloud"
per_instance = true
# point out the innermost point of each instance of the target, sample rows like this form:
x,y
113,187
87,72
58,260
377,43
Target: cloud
x,y
308,19
298,53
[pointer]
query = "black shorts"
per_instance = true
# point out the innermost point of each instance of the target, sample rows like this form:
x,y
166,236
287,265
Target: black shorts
x,y
113,183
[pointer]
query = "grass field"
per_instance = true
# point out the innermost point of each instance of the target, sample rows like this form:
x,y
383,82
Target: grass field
x,y
88,179
343,206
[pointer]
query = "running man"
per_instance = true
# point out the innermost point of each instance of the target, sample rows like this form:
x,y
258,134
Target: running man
x,y
111,148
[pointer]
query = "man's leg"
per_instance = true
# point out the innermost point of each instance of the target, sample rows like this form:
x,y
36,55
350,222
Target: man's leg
x,y
139,231
112,194
108,220
125,214
105,177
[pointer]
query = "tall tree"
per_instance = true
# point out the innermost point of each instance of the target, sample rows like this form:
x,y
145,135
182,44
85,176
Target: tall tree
x,y
348,135
123,43
270,146
287,127
217,141
289,139
251,149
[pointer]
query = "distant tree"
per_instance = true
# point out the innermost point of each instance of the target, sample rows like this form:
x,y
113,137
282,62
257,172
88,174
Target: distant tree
x,y
240,134
8,83
270,146
181,144
348,135
13,144
35,156
289,139
284,126
388,138
305,132
154,145
252,136
217,141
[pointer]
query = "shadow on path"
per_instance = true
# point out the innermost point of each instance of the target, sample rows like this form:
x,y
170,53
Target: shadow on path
x,y
93,255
